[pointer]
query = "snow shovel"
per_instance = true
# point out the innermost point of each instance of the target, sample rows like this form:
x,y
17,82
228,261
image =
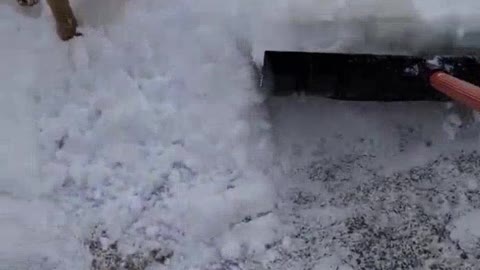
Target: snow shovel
x,y
371,77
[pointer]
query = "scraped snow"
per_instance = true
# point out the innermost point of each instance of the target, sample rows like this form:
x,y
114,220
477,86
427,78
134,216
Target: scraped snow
x,y
151,133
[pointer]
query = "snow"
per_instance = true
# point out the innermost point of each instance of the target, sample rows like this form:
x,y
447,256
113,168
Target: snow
x,y
146,140
18,144
33,233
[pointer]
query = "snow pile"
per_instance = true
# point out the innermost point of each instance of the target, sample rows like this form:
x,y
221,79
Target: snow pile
x,y
152,138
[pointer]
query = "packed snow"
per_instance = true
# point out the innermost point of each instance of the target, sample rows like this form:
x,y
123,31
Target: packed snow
x,y
146,144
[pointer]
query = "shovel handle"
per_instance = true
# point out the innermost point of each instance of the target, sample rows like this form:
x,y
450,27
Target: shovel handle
x,y
459,90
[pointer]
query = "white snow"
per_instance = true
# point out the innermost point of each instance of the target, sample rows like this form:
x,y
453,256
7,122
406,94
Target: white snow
x,y
149,127
18,143
36,234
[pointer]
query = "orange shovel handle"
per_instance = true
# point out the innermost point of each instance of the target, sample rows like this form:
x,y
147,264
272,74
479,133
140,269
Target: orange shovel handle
x,y
456,89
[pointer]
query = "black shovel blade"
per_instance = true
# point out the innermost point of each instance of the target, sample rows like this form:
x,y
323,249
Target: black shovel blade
x,y
361,77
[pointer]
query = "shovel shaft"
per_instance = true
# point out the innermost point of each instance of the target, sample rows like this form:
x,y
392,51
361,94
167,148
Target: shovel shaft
x,y
459,90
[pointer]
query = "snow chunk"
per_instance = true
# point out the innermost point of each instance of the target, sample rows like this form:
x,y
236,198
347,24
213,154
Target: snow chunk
x,y
452,124
466,229
250,238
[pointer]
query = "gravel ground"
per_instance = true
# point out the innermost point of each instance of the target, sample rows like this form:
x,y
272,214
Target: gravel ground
x,y
362,198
